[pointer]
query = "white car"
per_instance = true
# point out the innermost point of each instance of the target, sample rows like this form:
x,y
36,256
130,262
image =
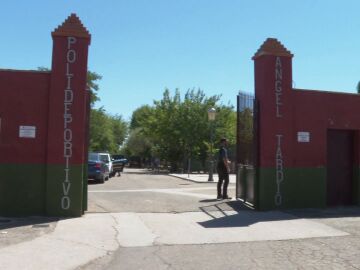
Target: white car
x,y
105,157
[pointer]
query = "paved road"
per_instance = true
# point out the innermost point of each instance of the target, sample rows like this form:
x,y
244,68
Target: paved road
x,y
147,221
142,191
171,208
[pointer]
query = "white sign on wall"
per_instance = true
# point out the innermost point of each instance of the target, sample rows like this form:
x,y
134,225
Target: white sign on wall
x,y
27,131
303,136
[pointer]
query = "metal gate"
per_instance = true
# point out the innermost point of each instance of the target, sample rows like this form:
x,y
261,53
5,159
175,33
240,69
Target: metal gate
x,y
246,148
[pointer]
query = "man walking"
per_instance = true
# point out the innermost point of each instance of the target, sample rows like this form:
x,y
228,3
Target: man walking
x,y
223,168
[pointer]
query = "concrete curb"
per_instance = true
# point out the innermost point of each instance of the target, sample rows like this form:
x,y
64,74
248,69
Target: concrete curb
x,y
191,180
199,178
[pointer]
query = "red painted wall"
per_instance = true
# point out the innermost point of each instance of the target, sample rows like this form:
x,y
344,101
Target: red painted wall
x,y
23,102
273,121
286,111
316,112
77,108
46,174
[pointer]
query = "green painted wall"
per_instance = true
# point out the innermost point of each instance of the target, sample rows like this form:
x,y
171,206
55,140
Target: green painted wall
x,y
301,188
55,190
37,189
22,189
85,188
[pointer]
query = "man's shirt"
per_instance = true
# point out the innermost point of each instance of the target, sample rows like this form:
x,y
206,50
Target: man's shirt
x,y
223,154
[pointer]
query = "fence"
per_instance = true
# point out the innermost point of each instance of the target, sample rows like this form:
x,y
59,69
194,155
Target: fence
x,y
246,148
245,129
246,184
245,101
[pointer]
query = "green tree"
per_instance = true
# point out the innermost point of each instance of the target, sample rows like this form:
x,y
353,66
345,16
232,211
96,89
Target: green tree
x,y
107,132
141,116
358,87
178,129
195,127
137,144
101,136
119,129
43,69
92,85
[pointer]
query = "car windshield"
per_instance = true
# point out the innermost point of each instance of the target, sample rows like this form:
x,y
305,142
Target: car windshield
x,y
93,156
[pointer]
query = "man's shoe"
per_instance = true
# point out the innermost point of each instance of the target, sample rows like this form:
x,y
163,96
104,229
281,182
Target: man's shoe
x,y
226,197
219,197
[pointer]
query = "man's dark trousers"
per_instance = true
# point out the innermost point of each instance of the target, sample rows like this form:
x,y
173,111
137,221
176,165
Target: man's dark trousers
x,y
223,176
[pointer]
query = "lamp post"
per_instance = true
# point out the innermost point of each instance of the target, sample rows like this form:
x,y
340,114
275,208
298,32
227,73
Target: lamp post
x,y
211,118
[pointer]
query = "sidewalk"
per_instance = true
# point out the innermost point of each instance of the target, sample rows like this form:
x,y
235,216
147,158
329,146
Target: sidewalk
x,y
80,242
201,178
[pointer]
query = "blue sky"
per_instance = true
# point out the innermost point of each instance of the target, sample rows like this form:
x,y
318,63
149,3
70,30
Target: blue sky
x,y
140,47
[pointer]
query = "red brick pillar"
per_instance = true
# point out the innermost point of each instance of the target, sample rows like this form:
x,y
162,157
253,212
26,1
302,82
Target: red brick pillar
x,y
67,119
273,91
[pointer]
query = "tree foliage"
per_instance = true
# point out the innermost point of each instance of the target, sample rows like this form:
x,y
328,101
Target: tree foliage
x,y
138,144
140,116
92,85
176,129
107,132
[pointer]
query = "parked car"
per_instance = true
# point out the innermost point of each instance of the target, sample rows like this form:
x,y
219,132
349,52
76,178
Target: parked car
x,y
105,157
119,162
118,166
120,157
97,168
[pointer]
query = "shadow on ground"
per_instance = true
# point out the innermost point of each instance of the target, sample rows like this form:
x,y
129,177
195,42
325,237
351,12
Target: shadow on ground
x,y
333,212
221,214
241,215
94,182
14,222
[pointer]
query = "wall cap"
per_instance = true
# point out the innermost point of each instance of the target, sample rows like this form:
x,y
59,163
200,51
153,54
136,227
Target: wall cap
x,y
331,92
24,70
73,27
272,46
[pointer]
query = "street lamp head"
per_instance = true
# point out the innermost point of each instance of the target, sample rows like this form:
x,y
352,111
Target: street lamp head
x,y
211,114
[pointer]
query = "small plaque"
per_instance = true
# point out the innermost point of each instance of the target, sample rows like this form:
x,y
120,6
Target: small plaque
x,y
27,132
303,136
